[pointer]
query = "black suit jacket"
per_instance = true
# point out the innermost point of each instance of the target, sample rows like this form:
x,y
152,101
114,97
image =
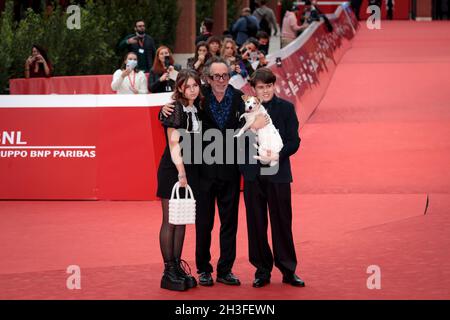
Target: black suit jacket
x,y
222,171
284,118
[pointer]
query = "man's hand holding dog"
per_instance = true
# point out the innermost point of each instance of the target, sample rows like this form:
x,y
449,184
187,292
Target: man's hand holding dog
x,y
261,120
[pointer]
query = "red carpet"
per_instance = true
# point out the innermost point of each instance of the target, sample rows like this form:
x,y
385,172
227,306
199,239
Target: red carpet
x,y
376,146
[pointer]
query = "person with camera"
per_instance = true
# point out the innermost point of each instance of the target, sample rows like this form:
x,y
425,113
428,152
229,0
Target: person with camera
x,y
290,27
38,65
263,41
159,79
312,13
252,58
229,54
129,79
141,44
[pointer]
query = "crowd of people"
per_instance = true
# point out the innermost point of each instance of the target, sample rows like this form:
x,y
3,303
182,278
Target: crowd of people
x,y
244,46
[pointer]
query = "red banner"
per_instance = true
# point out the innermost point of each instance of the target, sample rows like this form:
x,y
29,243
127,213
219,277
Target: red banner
x,y
97,84
80,147
305,66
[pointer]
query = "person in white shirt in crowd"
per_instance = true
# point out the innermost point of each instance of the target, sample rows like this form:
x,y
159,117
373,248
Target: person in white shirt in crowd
x,y
129,79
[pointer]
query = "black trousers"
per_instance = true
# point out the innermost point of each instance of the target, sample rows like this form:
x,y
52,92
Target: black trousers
x,y
259,195
356,6
226,193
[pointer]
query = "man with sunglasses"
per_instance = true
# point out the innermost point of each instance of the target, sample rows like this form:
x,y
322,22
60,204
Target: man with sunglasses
x,y
220,180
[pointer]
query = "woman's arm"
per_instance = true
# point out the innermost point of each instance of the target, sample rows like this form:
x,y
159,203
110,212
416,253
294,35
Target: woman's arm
x,y
117,80
27,67
175,152
46,68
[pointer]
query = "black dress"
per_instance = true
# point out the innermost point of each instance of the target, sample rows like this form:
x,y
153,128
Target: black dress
x,y
167,171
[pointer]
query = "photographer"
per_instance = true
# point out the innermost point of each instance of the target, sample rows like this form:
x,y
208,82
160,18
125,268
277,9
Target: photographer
x,y
253,58
141,44
290,28
313,13
159,79
128,79
38,65
229,54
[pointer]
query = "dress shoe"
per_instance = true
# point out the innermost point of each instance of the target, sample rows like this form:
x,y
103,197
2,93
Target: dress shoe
x,y
229,279
293,280
205,279
260,282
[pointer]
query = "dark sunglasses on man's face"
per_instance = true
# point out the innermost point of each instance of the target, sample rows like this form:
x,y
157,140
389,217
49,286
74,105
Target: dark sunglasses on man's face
x,y
217,77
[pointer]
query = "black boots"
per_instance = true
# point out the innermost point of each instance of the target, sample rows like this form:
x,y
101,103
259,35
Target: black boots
x,y
184,271
171,280
177,276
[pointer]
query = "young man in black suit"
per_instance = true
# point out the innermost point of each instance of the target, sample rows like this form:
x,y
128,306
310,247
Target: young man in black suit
x,y
271,187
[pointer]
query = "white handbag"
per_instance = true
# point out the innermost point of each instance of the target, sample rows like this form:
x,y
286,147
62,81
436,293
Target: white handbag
x,y
181,211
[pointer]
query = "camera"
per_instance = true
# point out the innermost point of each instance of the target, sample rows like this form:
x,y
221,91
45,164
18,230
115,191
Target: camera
x,y
278,62
167,62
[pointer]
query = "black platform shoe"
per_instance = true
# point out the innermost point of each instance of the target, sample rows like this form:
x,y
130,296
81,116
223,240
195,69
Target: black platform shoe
x,y
171,280
184,271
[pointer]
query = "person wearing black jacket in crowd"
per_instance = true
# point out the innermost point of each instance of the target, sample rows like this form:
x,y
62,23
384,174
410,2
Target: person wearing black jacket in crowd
x,y
270,187
205,30
313,13
141,44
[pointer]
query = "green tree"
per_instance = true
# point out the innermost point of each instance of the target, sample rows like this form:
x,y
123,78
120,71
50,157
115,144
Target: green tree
x,y
89,50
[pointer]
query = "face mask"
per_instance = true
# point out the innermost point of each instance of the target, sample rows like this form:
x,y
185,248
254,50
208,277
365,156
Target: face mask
x,y
131,64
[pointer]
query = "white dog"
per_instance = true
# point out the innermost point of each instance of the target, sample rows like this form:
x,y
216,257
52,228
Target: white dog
x,y
270,142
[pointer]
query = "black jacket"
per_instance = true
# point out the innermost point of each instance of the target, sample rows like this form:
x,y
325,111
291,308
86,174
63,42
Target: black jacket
x,y
284,118
222,171
145,59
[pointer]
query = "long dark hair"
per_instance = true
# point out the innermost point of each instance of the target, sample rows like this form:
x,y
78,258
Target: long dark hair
x,y
183,76
158,66
201,44
42,52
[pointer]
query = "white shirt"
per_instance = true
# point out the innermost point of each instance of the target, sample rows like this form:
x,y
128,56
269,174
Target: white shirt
x,y
193,111
123,85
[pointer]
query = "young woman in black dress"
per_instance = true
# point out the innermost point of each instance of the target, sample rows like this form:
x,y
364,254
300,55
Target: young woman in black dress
x,y
175,167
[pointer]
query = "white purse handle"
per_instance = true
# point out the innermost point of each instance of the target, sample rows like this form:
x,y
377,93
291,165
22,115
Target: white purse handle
x,y
176,190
